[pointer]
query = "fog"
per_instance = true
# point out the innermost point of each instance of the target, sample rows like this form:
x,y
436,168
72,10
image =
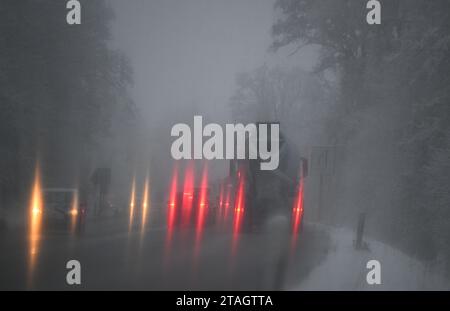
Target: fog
x,y
186,58
187,54
87,171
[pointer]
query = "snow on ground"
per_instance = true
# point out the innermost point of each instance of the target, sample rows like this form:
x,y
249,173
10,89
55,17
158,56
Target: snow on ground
x,y
345,268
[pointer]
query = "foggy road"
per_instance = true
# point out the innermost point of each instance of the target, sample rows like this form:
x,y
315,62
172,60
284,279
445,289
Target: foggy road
x,y
149,261
225,145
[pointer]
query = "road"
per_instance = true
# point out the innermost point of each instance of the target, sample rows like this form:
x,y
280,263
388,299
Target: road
x,y
115,258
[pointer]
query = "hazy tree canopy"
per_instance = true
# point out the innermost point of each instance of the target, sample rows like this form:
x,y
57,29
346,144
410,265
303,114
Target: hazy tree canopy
x,y
63,89
295,98
392,109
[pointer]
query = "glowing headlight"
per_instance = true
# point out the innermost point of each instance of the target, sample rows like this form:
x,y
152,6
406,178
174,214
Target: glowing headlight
x,y
36,211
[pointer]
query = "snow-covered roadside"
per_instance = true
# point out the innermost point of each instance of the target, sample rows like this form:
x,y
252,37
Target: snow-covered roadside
x,y
345,268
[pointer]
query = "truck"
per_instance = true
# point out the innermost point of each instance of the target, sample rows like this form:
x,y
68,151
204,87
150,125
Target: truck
x,y
268,193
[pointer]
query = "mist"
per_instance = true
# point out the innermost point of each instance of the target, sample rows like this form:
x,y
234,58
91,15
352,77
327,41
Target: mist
x,y
87,171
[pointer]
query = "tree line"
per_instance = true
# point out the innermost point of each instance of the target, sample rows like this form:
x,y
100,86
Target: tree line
x,y
386,106
63,94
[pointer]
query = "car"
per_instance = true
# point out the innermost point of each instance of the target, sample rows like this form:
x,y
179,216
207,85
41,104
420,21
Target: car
x,y
63,210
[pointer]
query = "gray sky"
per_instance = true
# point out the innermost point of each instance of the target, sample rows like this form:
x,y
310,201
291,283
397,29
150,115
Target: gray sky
x,y
190,51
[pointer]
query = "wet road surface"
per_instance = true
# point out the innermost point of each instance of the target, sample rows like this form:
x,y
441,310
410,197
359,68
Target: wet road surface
x,y
112,258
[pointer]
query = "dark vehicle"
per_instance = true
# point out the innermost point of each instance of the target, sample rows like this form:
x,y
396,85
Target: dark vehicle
x,y
63,211
269,193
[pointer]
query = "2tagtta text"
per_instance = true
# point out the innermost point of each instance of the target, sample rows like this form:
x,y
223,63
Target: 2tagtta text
x,y
225,301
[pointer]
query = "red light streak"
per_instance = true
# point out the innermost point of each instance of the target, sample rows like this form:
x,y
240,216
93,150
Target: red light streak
x,y
238,211
297,212
227,201
221,204
202,203
171,213
239,207
202,211
188,193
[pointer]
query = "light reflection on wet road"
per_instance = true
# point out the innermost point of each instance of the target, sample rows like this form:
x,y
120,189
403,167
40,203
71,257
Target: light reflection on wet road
x,y
120,261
